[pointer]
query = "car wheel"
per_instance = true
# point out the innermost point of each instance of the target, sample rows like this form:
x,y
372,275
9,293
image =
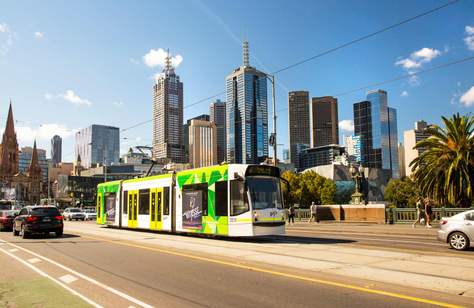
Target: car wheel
x,y
24,234
15,232
59,233
458,241
83,219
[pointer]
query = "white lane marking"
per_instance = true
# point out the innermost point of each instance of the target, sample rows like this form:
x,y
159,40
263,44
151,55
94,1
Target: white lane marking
x,y
67,278
34,260
91,280
34,268
13,250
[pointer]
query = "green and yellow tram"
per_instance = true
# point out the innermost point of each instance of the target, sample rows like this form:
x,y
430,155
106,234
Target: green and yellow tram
x,y
224,200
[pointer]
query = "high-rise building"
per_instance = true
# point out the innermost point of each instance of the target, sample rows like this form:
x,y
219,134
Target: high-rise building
x,y
246,114
202,143
25,157
410,139
323,119
217,115
376,124
56,149
298,124
353,146
203,117
319,156
98,144
286,156
168,116
401,160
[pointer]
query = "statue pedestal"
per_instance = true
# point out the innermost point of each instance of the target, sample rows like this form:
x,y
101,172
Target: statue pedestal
x,y
357,198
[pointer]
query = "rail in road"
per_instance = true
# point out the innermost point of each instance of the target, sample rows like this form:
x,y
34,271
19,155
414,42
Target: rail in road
x,y
146,267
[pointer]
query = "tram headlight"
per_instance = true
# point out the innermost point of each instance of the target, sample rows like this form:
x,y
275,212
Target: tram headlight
x,y
255,216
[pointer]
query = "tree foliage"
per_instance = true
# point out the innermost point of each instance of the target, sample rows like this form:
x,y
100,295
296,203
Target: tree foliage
x,y
402,192
309,187
445,170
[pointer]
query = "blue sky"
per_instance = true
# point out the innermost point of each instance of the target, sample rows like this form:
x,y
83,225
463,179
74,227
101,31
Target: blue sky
x,y
69,64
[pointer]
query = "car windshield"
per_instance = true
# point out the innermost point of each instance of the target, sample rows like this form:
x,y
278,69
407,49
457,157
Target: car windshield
x,y
264,192
45,211
75,210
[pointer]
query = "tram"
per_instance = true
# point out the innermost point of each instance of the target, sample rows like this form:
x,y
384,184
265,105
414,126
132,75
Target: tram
x,y
225,200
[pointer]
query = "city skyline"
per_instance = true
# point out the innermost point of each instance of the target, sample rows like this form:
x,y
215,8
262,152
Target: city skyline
x,y
124,75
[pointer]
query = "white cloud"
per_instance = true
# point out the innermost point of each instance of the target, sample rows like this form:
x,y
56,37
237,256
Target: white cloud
x,y
69,96
156,57
467,99
346,126
118,104
469,39
6,38
418,58
39,35
404,93
27,134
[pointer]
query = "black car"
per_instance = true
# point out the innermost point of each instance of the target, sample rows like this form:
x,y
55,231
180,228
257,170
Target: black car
x,y
38,219
6,220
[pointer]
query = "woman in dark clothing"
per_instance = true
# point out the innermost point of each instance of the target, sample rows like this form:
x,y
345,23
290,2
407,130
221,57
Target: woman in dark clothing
x,y
428,211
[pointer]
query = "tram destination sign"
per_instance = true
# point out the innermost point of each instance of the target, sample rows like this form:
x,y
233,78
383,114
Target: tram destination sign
x,y
263,170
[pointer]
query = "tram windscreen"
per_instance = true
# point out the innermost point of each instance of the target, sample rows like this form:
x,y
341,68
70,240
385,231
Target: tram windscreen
x,y
264,192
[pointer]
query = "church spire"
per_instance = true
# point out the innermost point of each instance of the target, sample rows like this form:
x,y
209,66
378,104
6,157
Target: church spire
x,y
9,149
35,168
10,128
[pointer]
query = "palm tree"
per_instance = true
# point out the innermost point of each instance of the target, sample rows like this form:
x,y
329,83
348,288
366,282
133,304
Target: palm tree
x,y
445,170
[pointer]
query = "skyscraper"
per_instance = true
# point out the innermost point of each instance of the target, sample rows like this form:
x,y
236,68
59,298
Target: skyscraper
x,y
217,115
202,143
353,148
246,114
56,149
203,117
410,139
168,116
376,124
324,125
98,144
298,124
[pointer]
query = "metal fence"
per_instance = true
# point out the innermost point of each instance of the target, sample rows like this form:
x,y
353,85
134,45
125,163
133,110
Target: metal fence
x,y
396,215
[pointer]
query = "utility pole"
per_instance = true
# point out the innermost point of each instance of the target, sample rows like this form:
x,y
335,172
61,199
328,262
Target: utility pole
x,y
273,136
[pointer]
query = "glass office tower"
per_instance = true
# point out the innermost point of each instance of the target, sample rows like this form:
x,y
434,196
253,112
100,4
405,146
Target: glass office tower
x,y
246,114
376,124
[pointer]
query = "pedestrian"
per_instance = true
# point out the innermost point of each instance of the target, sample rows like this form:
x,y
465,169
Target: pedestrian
x,y
314,212
291,214
428,211
418,213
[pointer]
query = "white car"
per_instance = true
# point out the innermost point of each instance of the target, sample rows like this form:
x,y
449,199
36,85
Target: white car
x,y
90,214
458,230
73,213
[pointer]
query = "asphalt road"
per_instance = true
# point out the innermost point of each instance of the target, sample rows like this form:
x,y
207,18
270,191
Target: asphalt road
x,y
127,273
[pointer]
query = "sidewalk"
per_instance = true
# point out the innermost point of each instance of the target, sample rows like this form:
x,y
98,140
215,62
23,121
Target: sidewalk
x,y
395,229
22,287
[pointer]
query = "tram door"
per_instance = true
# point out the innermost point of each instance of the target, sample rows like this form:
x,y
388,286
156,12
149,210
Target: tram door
x,y
132,208
156,208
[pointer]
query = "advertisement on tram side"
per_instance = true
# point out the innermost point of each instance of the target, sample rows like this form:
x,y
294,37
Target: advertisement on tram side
x,y
192,209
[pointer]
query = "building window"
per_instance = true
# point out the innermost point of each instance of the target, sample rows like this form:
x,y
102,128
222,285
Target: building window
x,y
221,198
144,202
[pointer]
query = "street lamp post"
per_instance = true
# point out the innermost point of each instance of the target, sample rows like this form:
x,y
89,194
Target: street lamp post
x,y
273,137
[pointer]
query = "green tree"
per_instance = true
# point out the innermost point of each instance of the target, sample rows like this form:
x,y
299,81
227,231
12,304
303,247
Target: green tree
x,y
294,195
402,192
445,170
308,187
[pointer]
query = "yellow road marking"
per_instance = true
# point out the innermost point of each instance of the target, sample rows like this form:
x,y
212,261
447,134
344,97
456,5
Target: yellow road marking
x,y
282,274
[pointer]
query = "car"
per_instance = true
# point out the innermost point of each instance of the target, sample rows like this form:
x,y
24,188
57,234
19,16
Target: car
x,y
458,230
6,220
38,219
74,213
90,214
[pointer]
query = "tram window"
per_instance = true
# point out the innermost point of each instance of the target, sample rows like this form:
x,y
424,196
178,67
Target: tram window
x,y
124,202
190,192
153,204
166,201
99,201
158,208
221,198
238,198
144,202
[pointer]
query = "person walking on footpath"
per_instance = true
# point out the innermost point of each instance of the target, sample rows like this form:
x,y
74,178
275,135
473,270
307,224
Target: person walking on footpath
x,y
291,214
314,212
418,214
428,211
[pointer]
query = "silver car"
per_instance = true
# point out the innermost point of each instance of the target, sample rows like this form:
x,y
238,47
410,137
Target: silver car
x,y
458,230
74,213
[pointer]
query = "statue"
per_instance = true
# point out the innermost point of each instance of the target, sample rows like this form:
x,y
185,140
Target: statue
x,y
356,174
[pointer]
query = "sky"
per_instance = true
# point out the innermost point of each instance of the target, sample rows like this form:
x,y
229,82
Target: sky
x,y
68,64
